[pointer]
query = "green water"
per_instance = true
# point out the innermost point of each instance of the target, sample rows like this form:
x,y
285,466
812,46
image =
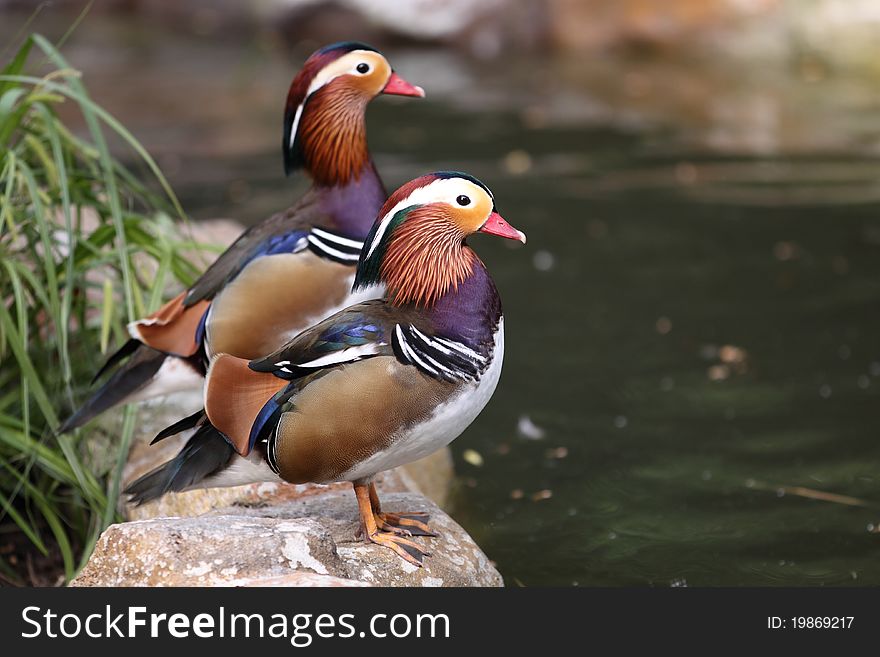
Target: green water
x,y
694,325
671,477
619,313
677,467
667,477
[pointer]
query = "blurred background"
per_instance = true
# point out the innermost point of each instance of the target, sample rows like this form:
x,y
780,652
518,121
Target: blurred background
x,y
691,383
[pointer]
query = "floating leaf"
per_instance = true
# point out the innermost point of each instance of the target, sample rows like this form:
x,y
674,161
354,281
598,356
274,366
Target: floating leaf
x,y
473,457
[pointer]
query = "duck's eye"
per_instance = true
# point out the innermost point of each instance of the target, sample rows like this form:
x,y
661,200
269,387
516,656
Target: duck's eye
x,y
363,68
463,200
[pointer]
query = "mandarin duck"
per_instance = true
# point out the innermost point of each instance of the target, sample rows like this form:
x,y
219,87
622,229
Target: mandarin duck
x,y
379,384
293,269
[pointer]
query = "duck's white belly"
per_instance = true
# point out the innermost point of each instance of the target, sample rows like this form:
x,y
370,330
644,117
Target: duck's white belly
x,y
446,424
241,470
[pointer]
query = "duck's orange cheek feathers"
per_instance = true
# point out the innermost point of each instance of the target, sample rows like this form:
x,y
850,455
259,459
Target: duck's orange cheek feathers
x,y
372,85
470,218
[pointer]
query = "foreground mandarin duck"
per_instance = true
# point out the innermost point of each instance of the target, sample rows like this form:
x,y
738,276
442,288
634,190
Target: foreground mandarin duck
x,y
291,270
379,384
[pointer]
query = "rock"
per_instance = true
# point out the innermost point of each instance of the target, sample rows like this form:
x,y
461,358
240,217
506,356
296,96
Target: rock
x,y
206,551
299,579
303,541
275,534
602,24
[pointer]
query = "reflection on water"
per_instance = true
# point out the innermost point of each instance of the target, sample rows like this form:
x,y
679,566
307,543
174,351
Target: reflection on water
x,y
693,364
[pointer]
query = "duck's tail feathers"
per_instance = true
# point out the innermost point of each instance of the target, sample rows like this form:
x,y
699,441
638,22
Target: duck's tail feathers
x,y
129,379
124,351
188,422
204,454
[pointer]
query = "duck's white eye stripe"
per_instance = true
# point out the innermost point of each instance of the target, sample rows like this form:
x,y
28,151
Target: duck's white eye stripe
x,y
381,231
295,125
440,190
326,75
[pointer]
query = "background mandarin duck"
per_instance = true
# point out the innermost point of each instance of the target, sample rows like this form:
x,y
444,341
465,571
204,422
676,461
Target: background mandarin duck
x,y
379,384
291,270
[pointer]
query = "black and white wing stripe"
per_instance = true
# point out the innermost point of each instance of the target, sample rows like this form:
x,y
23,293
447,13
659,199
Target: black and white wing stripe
x,y
287,369
271,455
334,247
437,356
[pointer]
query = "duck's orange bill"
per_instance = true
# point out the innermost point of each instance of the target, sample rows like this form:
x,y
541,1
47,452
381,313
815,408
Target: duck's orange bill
x,y
397,86
495,225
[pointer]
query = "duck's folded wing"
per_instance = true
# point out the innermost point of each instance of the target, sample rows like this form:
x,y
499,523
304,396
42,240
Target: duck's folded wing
x,y
244,400
285,232
177,328
360,331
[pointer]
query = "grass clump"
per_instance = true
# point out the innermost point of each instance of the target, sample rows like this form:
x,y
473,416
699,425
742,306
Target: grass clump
x,y
85,246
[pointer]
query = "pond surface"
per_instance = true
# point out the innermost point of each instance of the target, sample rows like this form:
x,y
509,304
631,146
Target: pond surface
x,y
692,375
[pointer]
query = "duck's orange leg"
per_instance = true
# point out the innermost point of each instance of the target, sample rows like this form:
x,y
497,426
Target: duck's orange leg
x,y
408,524
405,548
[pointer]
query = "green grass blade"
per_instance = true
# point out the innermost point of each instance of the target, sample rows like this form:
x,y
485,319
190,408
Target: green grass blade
x,y
107,169
16,66
23,524
106,314
84,246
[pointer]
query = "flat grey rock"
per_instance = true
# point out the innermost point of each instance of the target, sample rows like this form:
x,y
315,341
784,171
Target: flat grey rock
x,y
308,541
